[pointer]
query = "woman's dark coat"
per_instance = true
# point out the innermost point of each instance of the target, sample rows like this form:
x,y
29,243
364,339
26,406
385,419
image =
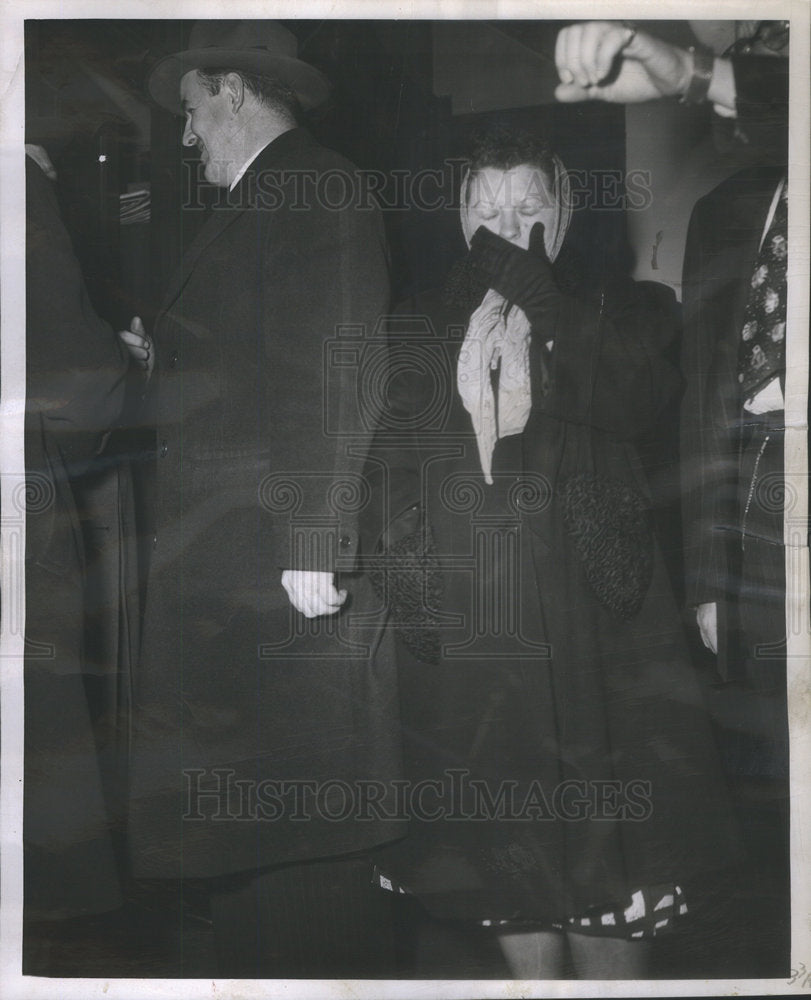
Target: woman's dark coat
x,y
585,729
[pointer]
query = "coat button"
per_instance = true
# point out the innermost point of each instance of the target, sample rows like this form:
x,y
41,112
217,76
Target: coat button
x,y
164,449
154,541
174,357
345,541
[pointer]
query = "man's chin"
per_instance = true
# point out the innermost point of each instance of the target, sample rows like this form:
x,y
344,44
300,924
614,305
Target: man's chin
x,y
215,173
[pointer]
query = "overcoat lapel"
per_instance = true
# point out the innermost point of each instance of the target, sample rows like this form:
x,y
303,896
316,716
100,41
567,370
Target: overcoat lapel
x,y
242,198
219,220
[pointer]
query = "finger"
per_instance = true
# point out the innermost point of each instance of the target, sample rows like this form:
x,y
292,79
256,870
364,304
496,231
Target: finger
x,y
570,93
560,56
313,596
138,354
610,46
323,606
134,339
304,602
574,59
334,599
568,44
593,34
319,610
537,245
331,598
137,325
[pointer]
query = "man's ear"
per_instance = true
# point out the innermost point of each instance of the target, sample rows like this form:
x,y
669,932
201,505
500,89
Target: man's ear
x,y
234,90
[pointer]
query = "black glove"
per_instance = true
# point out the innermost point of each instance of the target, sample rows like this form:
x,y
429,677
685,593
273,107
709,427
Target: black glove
x,y
523,277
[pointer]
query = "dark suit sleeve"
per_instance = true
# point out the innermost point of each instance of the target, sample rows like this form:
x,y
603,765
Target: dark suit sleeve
x,y
761,102
76,365
707,464
609,364
326,290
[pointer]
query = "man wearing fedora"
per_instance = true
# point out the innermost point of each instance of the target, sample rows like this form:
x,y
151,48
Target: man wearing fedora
x,y
259,712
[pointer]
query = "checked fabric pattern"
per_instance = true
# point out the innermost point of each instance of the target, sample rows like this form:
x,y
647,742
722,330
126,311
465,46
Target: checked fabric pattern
x,y
648,912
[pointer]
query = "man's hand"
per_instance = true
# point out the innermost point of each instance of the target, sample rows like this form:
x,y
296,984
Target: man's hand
x,y
312,593
647,67
707,618
139,345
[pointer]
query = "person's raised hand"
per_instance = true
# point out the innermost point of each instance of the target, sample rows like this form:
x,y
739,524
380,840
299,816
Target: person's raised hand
x,y
610,61
523,277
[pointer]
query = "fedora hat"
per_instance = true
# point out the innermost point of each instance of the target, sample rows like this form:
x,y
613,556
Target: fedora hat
x,y
264,47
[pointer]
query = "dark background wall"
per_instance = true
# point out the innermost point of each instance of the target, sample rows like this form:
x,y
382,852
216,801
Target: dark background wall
x,y
406,96
400,106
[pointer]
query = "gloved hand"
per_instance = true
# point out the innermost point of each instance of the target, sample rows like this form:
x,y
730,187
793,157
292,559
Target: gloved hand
x,y
523,277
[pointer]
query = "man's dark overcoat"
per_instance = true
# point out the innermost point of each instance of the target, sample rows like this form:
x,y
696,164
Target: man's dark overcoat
x,y
265,337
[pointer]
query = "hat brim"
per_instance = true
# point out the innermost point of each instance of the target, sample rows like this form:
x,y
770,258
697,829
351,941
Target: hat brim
x,y
309,84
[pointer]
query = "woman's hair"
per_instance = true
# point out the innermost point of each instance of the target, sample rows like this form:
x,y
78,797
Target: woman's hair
x,y
504,148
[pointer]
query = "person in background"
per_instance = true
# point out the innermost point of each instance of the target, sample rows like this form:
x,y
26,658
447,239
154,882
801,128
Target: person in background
x,y
76,376
732,416
253,678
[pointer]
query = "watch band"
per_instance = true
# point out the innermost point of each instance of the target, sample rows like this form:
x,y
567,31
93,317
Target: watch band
x,y
699,85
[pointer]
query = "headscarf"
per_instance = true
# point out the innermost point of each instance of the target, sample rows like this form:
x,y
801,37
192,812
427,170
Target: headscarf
x,y
496,333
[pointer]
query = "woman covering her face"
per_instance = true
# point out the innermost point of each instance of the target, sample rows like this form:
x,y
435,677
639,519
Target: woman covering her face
x,y
563,787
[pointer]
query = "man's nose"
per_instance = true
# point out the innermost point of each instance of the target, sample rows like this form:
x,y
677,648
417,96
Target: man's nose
x,y
508,224
189,138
